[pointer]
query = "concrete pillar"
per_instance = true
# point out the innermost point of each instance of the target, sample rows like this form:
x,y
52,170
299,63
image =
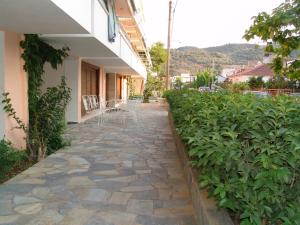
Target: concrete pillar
x,y
73,77
124,88
2,69
112,86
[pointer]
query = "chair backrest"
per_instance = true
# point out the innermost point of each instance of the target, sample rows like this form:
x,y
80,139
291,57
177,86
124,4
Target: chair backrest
x,y
94,101
86,104
90,100
101,103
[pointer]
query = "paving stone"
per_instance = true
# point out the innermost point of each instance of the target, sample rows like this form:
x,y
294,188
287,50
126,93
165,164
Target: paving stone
x,y
174,212
102,166
139,164
80,181
9,219
19,200
127,164
29,209
49,217
140,207
120,198
97,195
74,171
143,171
164,194
5,207
32,181
41,192
77,161
117,218
126,179
77,217
145,195
137,188
107,173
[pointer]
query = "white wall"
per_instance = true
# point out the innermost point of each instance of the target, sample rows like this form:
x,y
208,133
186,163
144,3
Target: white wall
x,y
52,78
2,114
71,69
100,28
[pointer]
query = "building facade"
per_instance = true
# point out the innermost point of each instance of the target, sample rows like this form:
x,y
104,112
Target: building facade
x,y
106,42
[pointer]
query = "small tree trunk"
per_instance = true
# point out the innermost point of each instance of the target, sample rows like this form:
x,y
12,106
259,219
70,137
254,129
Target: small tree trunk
x,y
264,222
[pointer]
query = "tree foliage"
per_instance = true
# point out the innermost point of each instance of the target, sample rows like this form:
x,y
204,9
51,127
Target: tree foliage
x,y
281,30
178,83
153,84
205,78
158,56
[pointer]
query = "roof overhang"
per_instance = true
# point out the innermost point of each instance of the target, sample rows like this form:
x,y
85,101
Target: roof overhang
x,y
38,17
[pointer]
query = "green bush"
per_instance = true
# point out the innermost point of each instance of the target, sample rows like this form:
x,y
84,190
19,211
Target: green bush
x,y
247,149
236,87
256,82
279,83
52,105
9,158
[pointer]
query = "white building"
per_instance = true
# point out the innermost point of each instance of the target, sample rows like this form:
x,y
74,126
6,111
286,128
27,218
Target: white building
x,y
106,44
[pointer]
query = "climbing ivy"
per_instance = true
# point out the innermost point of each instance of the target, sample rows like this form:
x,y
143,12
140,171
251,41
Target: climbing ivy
x,y
46,110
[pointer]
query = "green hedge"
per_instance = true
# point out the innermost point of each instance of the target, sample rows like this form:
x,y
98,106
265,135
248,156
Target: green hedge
x,y
247,149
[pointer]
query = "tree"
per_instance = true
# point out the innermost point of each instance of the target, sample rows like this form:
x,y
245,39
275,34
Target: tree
x,y
158,56
153,84
178,83
281,31
205,78
256,82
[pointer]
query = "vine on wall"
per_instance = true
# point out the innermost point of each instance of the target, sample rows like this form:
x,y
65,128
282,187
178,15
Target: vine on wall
x,y
46,110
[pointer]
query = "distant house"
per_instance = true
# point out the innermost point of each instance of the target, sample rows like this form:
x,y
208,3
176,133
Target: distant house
x,y
220,79
228,71
185,78
264,70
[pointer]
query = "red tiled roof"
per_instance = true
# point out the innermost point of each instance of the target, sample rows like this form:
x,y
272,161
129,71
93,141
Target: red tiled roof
x,y
260,71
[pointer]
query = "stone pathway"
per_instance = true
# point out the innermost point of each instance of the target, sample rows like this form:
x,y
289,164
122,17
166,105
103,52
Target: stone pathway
x,y
125,172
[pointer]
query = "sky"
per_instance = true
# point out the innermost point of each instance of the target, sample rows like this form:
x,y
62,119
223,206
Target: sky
x,y
203,23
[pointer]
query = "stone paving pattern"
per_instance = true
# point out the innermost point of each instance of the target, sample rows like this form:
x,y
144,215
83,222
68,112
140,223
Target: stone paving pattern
x,y
123,172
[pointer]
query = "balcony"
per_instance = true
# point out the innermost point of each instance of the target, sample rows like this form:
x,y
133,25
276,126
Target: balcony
x,y
81,25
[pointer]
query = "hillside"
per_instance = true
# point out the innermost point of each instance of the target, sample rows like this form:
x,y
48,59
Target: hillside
x,y
192,59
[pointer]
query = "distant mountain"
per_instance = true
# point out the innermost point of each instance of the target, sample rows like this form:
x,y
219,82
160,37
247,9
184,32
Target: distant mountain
x,y
239,53
191,59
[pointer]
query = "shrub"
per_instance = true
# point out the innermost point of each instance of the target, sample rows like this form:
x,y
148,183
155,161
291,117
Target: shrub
x,y
256,82
279,83
51,116
9,158
236,87
247,149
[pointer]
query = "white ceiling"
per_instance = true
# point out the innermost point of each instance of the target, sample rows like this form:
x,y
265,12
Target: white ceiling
x,y
36,16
